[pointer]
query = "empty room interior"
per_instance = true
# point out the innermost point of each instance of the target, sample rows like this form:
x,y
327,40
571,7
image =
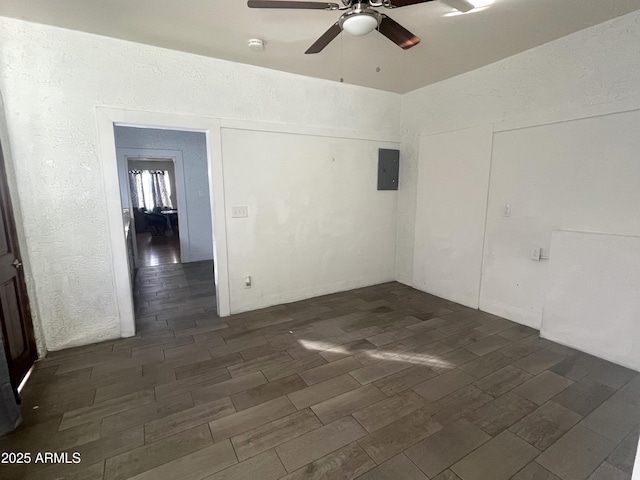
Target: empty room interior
x,y
375,240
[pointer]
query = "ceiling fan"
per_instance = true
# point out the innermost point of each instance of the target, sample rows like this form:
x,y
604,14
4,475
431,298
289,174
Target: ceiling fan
x,y
360,18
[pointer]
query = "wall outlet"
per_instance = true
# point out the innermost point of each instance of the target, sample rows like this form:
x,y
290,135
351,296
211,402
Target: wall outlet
x,y
239,211
535,254
506,210
247,281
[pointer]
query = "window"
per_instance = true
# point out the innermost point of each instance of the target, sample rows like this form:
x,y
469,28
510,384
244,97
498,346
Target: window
x,y
150,189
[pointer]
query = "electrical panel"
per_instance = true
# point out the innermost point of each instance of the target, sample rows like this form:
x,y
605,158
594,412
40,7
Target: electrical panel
x,y
388,169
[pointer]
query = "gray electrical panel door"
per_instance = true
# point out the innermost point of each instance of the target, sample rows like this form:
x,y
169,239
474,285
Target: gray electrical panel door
x,y
388,169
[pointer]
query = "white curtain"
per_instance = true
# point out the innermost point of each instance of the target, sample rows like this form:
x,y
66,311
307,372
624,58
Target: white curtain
x,y
160,188
150,189
135,186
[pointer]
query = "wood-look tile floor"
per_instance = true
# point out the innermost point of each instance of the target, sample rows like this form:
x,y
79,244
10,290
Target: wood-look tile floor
x,y
154,250
378,383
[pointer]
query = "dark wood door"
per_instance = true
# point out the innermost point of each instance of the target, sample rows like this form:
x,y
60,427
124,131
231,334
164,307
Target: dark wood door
x,y
15,315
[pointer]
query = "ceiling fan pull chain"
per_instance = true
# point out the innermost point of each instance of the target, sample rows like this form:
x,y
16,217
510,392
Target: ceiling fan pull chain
x,y
341,58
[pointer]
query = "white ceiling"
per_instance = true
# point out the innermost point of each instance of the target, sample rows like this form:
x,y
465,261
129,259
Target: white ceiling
x,y
451,43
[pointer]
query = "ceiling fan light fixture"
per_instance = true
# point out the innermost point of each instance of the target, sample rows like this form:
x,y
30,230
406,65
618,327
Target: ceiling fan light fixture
x,y
360,24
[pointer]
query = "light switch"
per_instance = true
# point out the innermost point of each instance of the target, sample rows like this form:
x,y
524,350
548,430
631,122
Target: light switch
x,y
506,210
239,212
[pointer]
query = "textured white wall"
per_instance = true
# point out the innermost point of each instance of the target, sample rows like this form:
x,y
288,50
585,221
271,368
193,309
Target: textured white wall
x,y
193,146
595,71
53,79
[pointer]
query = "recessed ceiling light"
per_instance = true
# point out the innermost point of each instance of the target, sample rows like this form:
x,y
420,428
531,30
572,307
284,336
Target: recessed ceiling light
x,y
256,44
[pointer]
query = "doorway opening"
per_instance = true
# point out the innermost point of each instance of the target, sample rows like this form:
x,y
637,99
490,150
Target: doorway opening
x,y
166,195
194,193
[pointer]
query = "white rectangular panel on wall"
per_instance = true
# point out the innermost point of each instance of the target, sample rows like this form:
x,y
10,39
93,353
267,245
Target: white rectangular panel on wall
x,y
592,299
453,181
582,175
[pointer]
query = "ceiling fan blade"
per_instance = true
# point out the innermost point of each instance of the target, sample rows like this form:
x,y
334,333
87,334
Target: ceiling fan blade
x,y
325,39
397,33
300,5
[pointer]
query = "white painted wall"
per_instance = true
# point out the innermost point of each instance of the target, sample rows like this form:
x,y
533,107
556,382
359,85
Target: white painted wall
x,y
317,223
450,220
53,79
193,147
579,175
594,72
595,279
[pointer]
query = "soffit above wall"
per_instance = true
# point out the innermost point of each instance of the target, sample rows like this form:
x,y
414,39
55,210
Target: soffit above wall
x,y
451,43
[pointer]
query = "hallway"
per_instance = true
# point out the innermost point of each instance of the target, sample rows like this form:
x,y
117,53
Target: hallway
x,y
174,290
158,250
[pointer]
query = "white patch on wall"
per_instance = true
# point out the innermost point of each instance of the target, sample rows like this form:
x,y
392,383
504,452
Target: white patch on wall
x,y
592,299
